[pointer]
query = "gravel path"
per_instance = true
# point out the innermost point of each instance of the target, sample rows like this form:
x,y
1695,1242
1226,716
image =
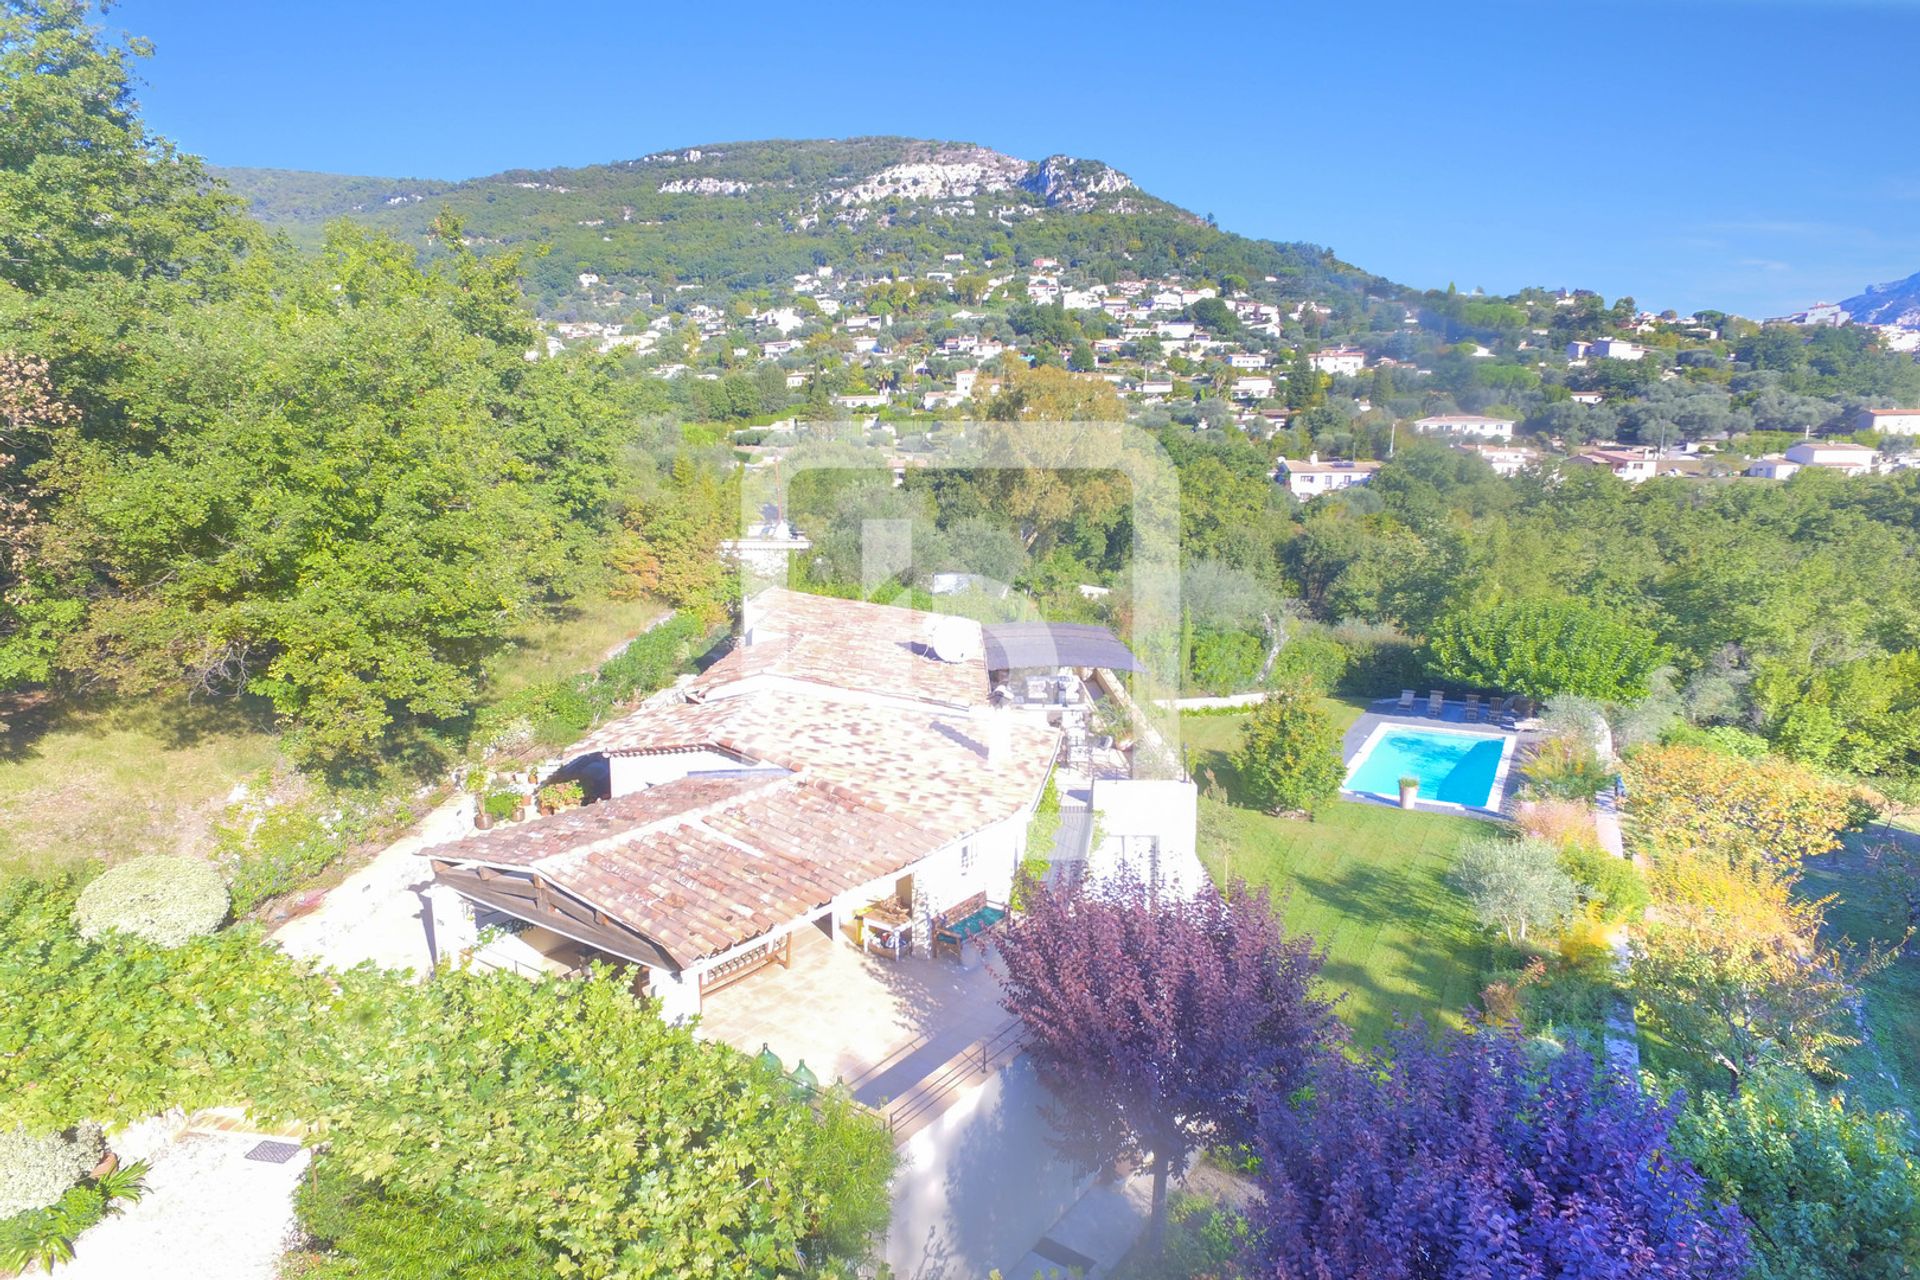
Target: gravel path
x,y
379,912
208,1213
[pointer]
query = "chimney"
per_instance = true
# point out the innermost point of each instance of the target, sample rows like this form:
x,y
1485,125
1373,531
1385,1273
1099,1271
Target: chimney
x,y
993,730
1314,457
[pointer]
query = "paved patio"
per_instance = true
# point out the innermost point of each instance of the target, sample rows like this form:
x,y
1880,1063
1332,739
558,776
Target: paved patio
x,y
879,1025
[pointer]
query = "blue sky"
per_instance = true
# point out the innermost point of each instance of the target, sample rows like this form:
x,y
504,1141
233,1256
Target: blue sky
x,y
1745,154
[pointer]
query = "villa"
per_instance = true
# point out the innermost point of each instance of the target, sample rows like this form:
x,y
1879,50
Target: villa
x,y
844,760
1313,477
1842,456
1466,424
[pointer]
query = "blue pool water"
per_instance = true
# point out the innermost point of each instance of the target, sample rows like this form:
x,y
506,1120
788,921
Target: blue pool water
x,y
1455,768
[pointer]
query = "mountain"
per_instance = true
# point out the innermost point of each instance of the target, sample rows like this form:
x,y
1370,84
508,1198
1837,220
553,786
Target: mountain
x,y
1896,302
730,217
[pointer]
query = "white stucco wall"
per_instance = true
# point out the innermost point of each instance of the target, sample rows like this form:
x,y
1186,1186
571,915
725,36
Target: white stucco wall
x,y
1149,826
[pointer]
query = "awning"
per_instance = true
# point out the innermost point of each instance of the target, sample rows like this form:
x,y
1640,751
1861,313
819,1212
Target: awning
x,y
1017,646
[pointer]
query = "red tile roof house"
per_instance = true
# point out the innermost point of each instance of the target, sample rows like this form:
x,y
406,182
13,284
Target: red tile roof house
x,y
841,754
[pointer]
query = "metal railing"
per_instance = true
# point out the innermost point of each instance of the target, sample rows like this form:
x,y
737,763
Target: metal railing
x,y
930,1095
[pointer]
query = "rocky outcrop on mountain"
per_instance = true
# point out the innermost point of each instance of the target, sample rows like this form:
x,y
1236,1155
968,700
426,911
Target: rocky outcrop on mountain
x,y
1066,183
947,173
1896,302
705,187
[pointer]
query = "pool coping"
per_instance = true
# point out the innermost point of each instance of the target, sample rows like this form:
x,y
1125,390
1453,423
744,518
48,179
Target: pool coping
x,y
1370,725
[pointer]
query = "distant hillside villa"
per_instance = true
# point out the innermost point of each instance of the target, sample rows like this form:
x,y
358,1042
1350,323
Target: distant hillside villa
x,y
1465,424
1847,458
1892,422
1313,477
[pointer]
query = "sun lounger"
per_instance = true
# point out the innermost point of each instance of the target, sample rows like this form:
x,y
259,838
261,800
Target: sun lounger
x,y
1473,708
1437,703
1406,701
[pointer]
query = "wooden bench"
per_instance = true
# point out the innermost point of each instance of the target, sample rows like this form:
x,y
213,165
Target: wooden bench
x,y
969,918
734,968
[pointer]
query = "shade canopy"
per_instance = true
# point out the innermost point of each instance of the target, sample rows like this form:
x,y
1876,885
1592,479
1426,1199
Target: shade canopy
x,y
1017,646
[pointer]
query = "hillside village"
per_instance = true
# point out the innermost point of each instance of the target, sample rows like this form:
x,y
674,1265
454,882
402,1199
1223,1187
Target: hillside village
x,y
1320,388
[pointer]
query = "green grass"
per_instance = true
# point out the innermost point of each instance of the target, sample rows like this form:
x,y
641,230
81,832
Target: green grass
x,y
112,778
578,637
1366,881
122,777
1885,1071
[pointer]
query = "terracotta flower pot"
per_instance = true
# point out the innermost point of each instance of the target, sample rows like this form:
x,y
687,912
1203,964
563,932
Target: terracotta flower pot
x,y
482,820
108,1163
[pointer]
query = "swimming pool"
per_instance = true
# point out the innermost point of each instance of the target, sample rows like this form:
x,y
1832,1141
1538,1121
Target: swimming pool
x,y
1468,770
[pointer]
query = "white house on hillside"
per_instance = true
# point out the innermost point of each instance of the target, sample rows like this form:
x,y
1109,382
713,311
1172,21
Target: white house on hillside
x,y
1465,424
1340,361
1313,477
1892,422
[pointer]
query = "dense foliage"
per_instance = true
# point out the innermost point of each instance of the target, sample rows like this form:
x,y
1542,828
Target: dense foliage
x,y
1832,1190
1463,1158
477,1099
1158,1021
1542,648
333,481
1692,801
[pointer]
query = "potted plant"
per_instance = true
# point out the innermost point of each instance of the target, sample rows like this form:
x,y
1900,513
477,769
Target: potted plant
x,y
556,796
500,806
1409,792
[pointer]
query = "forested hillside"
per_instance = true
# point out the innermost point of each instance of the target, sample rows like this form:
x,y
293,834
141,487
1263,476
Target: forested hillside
x,y
710,221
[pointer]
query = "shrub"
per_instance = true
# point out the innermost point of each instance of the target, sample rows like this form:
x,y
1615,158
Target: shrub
x,y
1566,769
1612,886
44,1237
563,795
502,805
1226,661
1729,740
160,898
1289,757
35,1172
1514,885
287,846
1565,823
1311,656
1379,659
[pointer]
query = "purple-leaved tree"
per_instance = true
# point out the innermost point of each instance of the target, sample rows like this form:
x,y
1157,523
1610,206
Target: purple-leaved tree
x,y
1463,1159
1159,1022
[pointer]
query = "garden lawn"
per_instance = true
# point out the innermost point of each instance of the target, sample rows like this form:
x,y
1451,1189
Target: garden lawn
x,y
1885,1071
121,777
1366,881
578,637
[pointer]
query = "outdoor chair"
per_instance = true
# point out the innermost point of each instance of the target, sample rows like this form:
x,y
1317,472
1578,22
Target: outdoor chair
x,y
1406,701
1472,712
1437,703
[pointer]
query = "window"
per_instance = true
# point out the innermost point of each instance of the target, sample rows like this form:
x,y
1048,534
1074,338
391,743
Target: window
x,y
966,859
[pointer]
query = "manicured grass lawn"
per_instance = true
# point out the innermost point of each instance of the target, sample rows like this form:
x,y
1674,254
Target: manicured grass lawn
x,y
122,777
1366,881
1885,1072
